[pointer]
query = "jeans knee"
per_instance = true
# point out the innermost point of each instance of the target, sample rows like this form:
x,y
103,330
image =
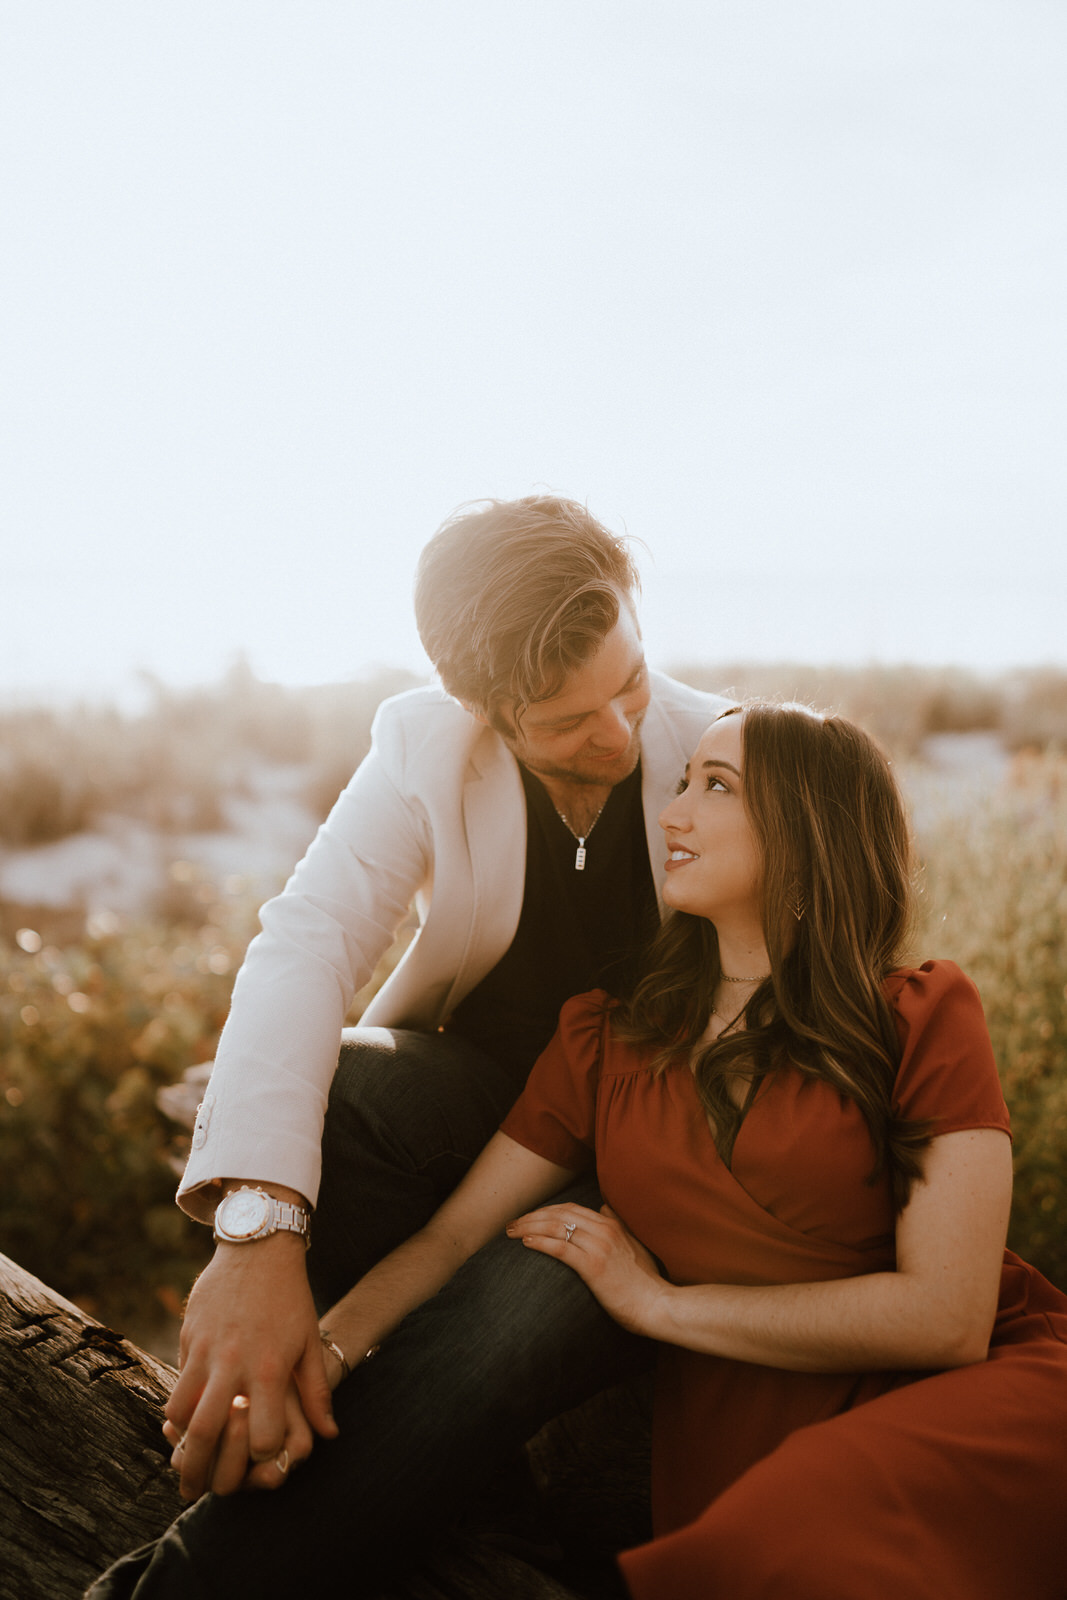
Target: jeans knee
x,y
367,1060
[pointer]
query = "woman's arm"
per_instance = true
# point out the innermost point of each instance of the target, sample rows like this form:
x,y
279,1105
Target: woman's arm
x,y
505,1178
936,1310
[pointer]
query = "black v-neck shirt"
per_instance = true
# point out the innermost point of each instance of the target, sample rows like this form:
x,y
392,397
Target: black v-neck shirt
x,y
577,930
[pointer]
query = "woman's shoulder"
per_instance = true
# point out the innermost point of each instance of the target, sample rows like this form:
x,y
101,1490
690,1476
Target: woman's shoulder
x,y
585,1027
586,1009
913,992
947,1070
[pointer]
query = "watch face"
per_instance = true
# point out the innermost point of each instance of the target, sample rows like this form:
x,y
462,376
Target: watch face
x,y
244,1212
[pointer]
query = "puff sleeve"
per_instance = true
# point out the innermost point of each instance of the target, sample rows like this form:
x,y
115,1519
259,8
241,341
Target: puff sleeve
x,y
947,1073
555,1116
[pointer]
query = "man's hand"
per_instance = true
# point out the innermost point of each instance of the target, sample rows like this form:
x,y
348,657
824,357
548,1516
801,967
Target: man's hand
x,y
253,1389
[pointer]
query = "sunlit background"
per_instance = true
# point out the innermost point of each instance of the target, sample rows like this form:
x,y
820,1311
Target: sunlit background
x,y
776,286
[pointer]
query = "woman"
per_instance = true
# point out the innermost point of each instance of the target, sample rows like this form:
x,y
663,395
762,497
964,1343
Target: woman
x,y
805,1156
860,1393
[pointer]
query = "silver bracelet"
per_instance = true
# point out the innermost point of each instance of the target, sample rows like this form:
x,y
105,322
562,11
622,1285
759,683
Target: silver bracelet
x,y
335,1349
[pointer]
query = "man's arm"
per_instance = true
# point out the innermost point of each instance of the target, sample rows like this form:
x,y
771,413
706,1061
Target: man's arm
x,y
321,940
264,1107
250,1328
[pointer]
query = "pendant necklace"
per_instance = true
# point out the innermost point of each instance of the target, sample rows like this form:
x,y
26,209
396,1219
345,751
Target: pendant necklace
x,y
580,853
728,1022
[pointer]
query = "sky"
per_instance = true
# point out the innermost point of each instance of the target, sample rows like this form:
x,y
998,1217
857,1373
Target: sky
x,y
774,286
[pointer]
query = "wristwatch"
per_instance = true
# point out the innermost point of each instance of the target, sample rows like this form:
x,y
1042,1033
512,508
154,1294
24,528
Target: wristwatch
x,y
247,1214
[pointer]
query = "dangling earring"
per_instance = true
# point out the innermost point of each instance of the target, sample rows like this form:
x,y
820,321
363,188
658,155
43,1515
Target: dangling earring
x,y
798,903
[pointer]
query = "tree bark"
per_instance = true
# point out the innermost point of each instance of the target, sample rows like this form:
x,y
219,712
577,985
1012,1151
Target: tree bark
x,y
84,1473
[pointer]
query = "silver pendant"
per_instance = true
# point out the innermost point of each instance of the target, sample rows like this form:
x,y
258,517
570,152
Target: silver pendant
x,y
579,857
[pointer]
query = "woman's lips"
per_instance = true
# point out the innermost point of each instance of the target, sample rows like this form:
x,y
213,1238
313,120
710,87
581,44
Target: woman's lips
x,y
678,858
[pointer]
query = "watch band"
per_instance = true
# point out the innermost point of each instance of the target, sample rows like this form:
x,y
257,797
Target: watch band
x,y
282,1216
290,1218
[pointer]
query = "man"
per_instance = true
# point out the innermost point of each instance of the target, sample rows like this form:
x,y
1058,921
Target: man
x,y
516,806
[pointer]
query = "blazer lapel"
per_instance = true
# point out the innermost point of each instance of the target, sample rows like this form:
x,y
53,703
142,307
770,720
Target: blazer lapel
x,y
494,819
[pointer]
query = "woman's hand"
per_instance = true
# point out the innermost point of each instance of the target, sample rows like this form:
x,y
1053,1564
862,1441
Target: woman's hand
x,y
232,1466
615,1266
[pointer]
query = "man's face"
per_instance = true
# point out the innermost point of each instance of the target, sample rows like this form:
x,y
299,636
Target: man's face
x,y
590,733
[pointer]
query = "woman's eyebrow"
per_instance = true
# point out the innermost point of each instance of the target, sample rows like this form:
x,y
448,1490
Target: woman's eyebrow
x,y
727,764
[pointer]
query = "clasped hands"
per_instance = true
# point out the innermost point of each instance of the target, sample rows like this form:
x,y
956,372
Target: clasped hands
x,y
611,1262
255,1380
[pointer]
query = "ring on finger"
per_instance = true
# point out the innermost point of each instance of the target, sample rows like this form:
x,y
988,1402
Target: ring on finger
x,y
568,1231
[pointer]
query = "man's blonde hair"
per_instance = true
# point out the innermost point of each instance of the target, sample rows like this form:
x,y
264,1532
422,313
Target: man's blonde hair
x,y
511,596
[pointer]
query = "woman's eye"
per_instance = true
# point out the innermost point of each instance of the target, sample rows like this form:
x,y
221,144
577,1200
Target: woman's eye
x,y
681,786
717,783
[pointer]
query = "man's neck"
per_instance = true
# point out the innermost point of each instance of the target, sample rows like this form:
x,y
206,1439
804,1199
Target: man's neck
x,y
579,804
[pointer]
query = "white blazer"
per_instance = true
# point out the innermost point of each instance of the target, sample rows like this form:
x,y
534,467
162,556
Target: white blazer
x,y
434,815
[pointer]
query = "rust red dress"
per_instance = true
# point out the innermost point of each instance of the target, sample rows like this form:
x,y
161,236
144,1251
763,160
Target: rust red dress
x,y
826,1486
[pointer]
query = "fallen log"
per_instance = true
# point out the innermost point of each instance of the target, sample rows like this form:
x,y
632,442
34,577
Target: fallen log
x,y
84,1471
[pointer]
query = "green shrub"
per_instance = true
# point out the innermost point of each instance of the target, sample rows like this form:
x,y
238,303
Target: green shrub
x,y
88,1035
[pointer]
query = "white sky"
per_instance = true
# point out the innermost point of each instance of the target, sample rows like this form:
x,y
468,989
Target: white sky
x,y
778,286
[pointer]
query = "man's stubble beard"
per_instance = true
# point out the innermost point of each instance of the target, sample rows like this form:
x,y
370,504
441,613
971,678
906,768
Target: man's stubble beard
x,y
587,776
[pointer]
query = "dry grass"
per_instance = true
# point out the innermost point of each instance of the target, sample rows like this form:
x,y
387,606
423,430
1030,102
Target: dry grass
x,y
995,901
173,765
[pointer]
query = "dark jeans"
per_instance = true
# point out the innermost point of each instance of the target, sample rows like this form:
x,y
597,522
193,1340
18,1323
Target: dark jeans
x,y
461,1384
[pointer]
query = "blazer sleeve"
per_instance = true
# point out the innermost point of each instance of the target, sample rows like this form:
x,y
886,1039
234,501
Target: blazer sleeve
x,y
321,939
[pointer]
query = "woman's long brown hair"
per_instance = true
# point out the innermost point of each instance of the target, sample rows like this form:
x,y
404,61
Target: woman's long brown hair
x,y
833,842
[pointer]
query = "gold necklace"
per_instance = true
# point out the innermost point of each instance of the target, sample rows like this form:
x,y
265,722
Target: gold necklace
x,y
761,979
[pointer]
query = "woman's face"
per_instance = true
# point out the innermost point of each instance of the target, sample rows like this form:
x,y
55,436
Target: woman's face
x,y
713,864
